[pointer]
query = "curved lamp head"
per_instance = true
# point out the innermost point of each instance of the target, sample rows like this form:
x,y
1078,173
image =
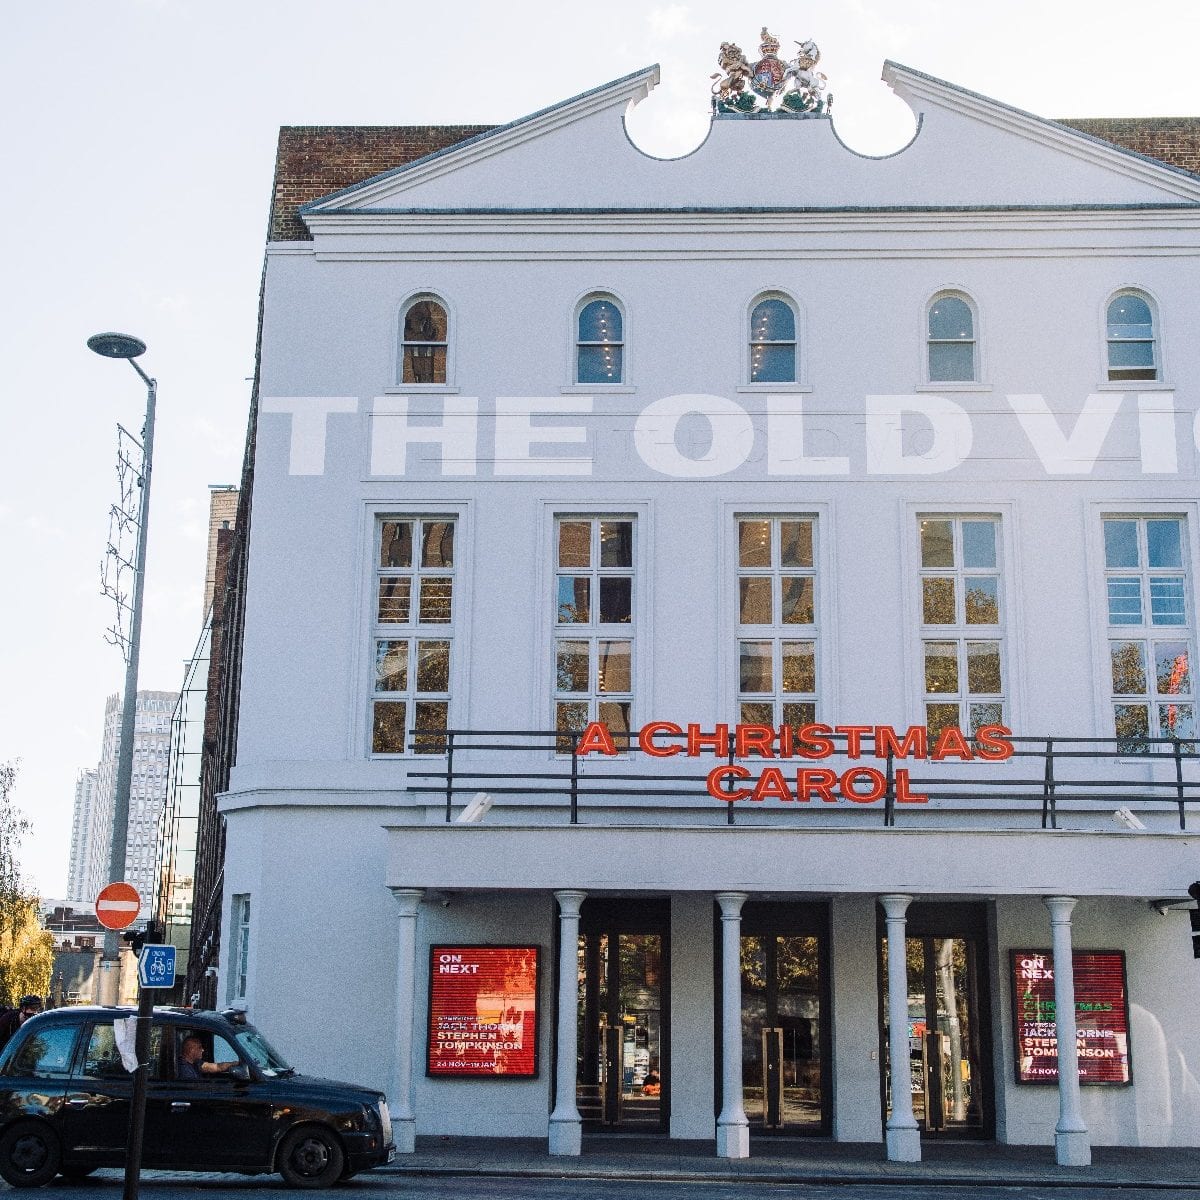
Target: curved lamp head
x,y
116,345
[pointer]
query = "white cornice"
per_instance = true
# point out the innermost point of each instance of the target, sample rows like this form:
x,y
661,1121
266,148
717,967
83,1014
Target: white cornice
x,y
619,94
915,86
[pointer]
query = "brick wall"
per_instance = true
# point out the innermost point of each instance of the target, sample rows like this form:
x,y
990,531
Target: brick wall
x,y
314,160
1174,140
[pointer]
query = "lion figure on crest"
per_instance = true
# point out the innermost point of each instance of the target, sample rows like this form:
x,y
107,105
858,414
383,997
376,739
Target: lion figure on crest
x,y
738,73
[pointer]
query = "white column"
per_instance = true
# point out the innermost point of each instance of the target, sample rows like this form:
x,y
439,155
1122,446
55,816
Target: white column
x,y
404,1120
1072,1148
903,1135
566,1126
733,1129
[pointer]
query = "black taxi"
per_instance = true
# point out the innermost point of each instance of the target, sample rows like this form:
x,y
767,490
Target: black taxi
x,y
219,1098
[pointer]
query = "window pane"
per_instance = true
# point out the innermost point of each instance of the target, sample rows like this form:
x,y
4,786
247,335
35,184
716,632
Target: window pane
x,y
1128,668
433,667
755,673
983,668
574,600
755,601
430,714
387,728
424,364
803,713
950,318
982,599
772,321
991,713
773,364
951,362
1131,354
756,712
1133,372
1120,544
799,667
796,543
939,717
1166,600
437,543
395,544
937,601
615,715
425,321
571,715
754,543
575,544
394,600
616,543
572,666
391,666
797,600
941,668
1164,544
616,601
1128,310
1132,721
46,1054
613,669
979,543
1124,602
937,544
1172,670
1176,720
599,364
600,321
435,600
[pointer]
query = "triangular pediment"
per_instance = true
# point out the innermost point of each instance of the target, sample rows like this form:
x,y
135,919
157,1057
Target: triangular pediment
x,y
969,152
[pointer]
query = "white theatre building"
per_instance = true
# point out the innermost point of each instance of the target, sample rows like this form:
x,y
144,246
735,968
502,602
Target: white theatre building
x,y
802,458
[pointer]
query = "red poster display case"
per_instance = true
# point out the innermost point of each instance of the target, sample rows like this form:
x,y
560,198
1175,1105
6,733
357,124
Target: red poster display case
x,y
483,1011
1101,1016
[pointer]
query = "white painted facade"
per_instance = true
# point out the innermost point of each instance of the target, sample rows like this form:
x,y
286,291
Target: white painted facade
x,y
1039,227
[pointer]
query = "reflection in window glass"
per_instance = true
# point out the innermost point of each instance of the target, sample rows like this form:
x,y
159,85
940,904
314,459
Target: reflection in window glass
x,y
574,544
937,544
425,338
1131,349
951,341
772,342
600,349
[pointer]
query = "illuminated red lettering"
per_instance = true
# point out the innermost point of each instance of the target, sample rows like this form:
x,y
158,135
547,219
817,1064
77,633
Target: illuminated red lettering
x,y
814,741
785,741
903,795
820,780
876,779
646,735
717,741
771,785
596,738
718,775
992,744
914,744
951,744
853,738
753,737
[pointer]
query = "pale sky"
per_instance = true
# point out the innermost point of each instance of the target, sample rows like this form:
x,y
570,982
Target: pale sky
x,y
139,140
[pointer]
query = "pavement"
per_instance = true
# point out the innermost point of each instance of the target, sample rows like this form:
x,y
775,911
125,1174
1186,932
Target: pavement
x,y
801,1160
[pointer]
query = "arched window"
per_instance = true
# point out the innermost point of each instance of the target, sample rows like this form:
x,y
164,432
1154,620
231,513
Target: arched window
x,y
773,341
951,327
600,342
1131,349
424,342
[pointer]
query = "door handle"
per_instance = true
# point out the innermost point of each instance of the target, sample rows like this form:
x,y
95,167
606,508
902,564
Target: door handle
x,y
77,1102
180,1105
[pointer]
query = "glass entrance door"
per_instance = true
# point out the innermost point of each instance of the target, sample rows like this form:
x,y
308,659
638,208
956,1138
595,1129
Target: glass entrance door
x,y
622,1065
947,1036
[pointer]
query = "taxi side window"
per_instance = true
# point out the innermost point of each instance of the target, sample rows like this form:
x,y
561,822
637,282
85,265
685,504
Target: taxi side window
x,y
103,1059
216,1050
46,1055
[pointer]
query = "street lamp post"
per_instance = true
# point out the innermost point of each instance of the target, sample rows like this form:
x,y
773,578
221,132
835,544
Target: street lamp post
x,y
120,345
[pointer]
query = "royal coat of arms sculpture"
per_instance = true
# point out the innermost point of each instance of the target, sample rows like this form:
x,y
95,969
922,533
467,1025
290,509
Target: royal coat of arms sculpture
x,y
771,85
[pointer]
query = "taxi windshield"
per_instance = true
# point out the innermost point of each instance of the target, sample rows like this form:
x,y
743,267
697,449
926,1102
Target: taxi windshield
x,y
264,1057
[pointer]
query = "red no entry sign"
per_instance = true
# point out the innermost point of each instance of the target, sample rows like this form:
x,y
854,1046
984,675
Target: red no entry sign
x,y
117,905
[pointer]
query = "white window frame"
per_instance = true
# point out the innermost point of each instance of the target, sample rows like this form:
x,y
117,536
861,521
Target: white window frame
x,y
960,632
800,382
593,632
975,384
1146,632
412,631
1132,385
573,381
240,924
397,385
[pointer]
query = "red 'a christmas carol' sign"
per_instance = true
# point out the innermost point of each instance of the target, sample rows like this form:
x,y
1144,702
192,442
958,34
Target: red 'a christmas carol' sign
x,y
483,1010
1101,1016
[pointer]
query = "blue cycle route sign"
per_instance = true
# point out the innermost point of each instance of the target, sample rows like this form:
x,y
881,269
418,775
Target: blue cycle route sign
x,y
156,967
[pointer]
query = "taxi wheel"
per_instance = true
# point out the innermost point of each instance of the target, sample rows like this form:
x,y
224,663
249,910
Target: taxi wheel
x,y
310,1157
29,1154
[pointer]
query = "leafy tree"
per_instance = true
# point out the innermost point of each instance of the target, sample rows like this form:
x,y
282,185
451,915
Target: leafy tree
x,y
26,951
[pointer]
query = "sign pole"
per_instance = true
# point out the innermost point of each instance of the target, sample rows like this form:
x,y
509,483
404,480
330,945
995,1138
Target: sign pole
x,y
137,1114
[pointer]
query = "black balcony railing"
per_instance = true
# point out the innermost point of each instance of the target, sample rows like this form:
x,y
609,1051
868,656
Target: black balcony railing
x,y
1124,771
